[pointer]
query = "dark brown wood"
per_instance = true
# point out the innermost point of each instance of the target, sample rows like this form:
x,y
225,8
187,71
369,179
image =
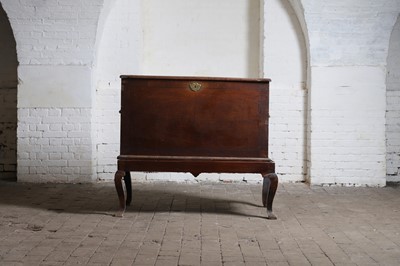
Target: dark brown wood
x,y
128,186
120,191
196,125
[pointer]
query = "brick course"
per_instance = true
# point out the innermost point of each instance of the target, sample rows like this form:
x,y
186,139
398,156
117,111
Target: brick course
x,y
54,144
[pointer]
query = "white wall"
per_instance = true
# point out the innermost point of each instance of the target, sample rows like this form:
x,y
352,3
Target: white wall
x,y
347,122
328,90
348,47
55,49
201,38
393,107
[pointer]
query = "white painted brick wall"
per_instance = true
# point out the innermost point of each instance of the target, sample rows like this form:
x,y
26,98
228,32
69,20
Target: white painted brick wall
x,y
393,136
54,32
346,39
55,145
393,107
347,142
348,50
350,32
56,39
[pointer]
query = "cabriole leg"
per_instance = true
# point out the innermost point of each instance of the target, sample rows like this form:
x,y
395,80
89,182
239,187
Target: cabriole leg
x,y
120,191
128,186
270,185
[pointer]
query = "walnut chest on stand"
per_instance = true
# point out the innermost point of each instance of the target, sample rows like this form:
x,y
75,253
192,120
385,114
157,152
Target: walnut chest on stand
x,y
196,125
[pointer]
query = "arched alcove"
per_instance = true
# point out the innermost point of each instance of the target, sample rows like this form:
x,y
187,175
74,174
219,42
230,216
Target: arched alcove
x,y
174,38
393,106
136,37
285,57
8,99
299,19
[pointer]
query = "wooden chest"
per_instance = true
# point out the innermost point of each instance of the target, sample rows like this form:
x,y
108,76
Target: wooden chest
x,y
196,125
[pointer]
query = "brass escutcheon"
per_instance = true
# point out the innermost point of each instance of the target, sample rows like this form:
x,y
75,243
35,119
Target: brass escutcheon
x,y
194,86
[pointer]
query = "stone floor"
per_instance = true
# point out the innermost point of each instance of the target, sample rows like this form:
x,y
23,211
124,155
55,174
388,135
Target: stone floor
x,y
198,224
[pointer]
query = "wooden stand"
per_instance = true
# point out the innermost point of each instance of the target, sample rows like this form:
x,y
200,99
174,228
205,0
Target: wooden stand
x,y
196,125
